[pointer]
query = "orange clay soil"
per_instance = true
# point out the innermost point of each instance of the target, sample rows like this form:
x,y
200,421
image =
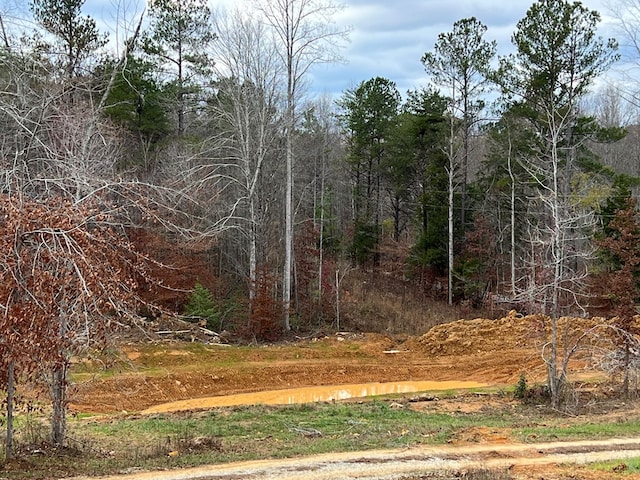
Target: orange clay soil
x,y
491,352
152,373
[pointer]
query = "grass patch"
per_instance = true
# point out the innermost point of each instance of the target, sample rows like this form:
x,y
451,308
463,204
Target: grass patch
x,y
222,435
579,431
303,429
627,465
154,360
245,433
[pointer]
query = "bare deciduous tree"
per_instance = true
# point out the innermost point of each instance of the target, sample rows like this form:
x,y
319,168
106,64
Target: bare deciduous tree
x,y
247,114
558,57
67,267
306,36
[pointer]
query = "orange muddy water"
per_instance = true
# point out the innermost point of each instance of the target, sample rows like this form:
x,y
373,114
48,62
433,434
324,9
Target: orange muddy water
x,y
310,395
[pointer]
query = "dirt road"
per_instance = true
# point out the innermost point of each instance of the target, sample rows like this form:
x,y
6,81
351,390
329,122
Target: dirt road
x,y
519,459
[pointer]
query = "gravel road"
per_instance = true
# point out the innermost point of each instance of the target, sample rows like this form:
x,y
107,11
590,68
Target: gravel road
x,y
398,464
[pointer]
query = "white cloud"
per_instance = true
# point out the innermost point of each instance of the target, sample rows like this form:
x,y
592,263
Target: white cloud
x,y
388,39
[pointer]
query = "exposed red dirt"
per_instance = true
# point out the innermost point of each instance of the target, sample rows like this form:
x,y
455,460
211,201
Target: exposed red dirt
x,y
494,352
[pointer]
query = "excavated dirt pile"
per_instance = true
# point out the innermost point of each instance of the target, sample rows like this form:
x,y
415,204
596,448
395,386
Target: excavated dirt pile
x,y
511,332
481,335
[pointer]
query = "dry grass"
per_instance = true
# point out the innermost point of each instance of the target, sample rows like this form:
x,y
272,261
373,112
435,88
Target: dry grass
x,y
387,304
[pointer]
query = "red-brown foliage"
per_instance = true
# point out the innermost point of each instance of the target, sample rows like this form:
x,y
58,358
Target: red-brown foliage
x,y
621,284
314,296
65,272
172,269
265,321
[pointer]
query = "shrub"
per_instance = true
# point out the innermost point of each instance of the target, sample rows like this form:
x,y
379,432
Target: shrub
x,y
266,309
521,387
200,304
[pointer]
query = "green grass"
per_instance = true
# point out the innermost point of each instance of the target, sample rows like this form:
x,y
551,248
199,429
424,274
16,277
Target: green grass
x,y
257,432
346,426
581,431
245,433
296,430
154,361
624,466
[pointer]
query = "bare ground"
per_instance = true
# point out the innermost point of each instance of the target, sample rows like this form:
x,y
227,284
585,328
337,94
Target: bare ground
x,y
492,352
521,461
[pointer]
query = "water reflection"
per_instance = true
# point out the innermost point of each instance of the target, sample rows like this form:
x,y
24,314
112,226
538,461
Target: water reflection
x,y
310,395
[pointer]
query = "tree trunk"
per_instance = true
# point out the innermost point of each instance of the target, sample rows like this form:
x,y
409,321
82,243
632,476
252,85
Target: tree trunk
x,y
513,223
288,239
451,173
321,239
450,228
337,299
552,366
180,92
8,455
59,415
288,207
627,365
466,129
5,38
556,379
252,251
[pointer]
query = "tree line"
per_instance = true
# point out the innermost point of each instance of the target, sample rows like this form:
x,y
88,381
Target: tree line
x,y
200,129
495,173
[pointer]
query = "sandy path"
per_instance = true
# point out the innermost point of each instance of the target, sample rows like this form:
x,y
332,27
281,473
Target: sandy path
x,y
395,464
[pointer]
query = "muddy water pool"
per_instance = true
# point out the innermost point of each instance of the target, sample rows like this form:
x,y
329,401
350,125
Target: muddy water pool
x,y
311,395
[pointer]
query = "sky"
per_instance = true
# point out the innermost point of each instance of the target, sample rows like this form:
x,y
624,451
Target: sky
x,y
387,38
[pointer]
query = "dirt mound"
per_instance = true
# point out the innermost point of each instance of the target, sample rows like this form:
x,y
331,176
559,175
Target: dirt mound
x,y
481,335
513,332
